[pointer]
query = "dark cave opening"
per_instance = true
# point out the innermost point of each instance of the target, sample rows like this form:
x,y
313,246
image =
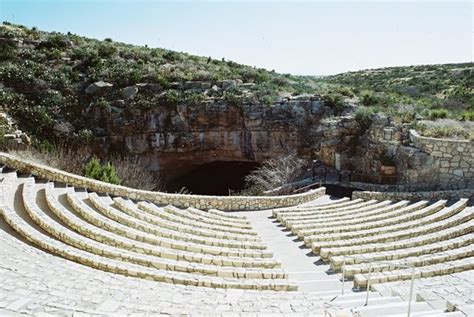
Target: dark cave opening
x,y
215,178
339,191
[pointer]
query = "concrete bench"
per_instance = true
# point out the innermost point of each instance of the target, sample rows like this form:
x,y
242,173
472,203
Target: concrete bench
x,y
79,241
142,231
419,240
116,266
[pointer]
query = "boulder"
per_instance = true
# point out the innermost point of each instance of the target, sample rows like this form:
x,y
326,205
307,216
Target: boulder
x,y
129,92
98,87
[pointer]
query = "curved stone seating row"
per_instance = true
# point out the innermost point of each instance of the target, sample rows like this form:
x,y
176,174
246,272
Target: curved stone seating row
x,y
163,247
417,261
329,205
285,215
450,267
118,222
318,227
376,209
116,266
182,213
427,236
197,214
74,239
438,246
161,226
458,215
131,209
165,215
400,226
224,214
450,232
414,213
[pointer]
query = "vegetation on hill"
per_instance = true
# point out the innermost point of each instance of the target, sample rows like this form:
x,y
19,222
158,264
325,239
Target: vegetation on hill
x,y
432,91
46,75
53,83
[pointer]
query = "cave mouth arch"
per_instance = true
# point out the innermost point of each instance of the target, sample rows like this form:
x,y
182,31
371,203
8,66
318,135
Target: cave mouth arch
x,y
213,178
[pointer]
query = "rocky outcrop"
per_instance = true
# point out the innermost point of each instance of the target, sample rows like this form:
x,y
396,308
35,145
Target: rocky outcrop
x,y
98,88
186,135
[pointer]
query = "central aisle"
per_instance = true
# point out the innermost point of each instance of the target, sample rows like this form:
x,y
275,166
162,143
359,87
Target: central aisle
x,y
302,265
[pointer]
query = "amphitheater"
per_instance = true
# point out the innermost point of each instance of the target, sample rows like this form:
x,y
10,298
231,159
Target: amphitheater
x,y
72,246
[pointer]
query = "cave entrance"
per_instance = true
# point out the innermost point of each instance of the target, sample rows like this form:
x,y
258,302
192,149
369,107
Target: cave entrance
x,y
215,178
339,191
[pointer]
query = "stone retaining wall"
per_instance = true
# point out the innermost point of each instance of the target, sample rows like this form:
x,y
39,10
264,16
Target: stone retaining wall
x,y
226,203
446,194
454,160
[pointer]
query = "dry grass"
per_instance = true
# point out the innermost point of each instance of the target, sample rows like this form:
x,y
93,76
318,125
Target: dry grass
x,y
133,171
447,128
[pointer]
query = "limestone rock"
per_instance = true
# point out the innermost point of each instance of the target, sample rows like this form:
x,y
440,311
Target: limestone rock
x,y
129,92
98,87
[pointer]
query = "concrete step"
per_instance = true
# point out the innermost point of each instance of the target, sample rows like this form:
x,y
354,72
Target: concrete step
x,y
356,296
433,313
391,309
360,302
323,285
309,276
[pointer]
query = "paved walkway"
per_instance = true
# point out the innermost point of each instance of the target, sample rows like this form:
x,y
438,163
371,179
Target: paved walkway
x,y
298,260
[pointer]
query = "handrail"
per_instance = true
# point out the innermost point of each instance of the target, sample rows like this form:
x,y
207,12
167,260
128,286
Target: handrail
x,y
371,262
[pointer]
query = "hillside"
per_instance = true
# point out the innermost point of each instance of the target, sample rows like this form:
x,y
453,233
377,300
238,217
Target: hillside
x,y
53,83
446,86
46,77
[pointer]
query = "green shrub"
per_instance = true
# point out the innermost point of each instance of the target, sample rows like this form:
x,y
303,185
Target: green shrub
x,y
438,114
169,98
334,101
57,41
93,169
363,116
467,116
369,98
107,50
106,173
8,50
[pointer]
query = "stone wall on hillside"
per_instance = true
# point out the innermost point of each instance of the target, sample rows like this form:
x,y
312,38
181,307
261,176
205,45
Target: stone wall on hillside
x,y
453,159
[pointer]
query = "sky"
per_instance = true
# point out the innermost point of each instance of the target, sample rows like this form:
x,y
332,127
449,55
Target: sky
x,y
298,37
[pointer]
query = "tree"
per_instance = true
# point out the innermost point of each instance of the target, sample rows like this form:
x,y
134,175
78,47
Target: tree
x,y
274,173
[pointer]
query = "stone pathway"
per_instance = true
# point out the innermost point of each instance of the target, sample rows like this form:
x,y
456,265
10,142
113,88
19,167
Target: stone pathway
x,y
298,260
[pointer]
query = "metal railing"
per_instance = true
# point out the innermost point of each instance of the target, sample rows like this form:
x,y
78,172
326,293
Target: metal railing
x,y
371,262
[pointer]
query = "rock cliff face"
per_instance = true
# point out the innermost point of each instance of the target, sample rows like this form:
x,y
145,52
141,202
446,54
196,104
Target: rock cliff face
x,y
178,138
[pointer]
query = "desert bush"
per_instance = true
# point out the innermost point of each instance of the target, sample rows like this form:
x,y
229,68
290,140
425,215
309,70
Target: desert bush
x,y
107,50
438,114
334,101
8,50
363,116
169,98
102,172
274,173
57,41
135,172
369,98
447,132
467,116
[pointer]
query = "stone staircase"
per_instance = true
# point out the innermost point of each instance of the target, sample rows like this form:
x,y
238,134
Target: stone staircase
x,y
68,251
